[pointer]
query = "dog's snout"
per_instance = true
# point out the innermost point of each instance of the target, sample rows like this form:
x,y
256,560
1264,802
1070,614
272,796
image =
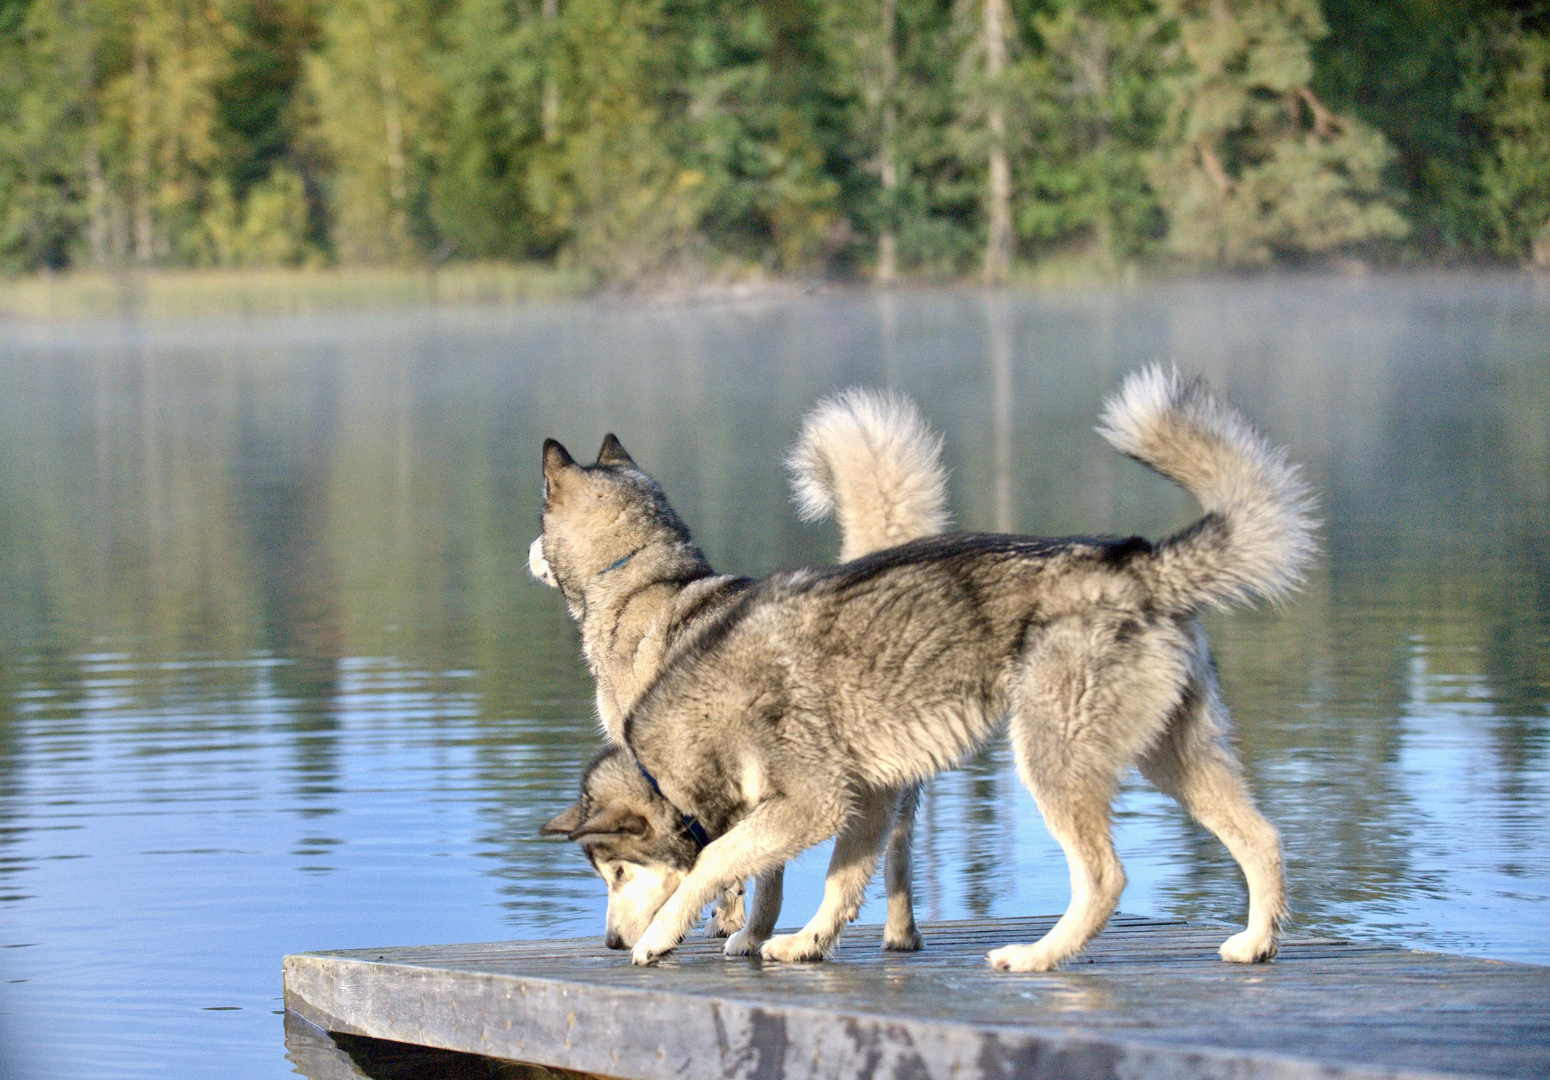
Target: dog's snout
x,y
614,941
537,565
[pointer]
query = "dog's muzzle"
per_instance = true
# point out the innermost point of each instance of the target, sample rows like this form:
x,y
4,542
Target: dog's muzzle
x,y
538,566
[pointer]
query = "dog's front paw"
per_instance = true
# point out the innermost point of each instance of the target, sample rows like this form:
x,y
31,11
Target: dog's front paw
x,y
1022,958
791,948
652,946
742,943
905,940
1247,948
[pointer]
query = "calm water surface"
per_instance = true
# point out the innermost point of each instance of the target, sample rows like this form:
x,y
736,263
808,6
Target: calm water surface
x,y
273,676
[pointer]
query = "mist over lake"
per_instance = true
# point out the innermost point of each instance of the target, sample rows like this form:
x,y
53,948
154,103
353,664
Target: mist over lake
x,y
274,676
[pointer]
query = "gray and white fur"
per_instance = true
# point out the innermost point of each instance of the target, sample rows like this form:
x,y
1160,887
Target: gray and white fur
x,y
802,706
641,591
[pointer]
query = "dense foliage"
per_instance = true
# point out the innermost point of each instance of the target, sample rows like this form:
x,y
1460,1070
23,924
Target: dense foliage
x,y
638,139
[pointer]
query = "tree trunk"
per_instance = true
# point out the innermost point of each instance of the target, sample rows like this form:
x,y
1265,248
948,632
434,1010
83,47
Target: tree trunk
x,y
998,241
97,203
393,132
549,109
887,254
140,172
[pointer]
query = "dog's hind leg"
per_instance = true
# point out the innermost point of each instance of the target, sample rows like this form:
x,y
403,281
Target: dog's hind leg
x,y
774,833
900,933
727,917
1094,694
1193,764
856,849
1079,821
767,895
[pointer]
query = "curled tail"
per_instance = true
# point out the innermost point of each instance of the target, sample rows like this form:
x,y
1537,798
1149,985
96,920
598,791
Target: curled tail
x,y
871,460
1256,538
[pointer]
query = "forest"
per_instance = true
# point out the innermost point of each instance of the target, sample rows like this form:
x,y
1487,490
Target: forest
x,y
645,140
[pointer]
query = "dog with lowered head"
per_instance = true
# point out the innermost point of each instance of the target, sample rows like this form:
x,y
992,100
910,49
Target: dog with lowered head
x,y
640,590
798,709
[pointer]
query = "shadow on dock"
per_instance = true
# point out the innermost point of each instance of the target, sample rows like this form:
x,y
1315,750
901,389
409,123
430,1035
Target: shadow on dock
x,y
318,1055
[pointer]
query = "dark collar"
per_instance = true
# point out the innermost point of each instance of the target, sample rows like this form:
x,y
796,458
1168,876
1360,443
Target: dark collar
x,y
691,824
621,562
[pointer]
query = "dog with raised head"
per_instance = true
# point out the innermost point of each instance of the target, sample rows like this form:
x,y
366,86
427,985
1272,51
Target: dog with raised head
x,y
641,592
800,706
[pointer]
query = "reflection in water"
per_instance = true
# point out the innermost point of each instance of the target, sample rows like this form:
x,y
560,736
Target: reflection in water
x,y
273,676
285,432
998,324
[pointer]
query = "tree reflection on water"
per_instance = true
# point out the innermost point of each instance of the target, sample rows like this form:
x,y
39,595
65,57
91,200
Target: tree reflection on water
x,y
266,630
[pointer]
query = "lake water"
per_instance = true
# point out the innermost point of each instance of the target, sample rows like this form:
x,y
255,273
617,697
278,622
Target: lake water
x,y
273,676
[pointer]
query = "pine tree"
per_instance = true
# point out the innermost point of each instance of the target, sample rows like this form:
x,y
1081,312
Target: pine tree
x,y
1515,172
1252,166
501,105
763,127
909,156
860,49
1094,105
608,175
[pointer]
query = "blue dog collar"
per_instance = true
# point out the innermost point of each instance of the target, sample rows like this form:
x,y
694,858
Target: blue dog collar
x,y
621,562
691,824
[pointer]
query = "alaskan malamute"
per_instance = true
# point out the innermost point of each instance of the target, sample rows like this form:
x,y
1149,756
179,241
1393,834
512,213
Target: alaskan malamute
x,y
641,592
797,708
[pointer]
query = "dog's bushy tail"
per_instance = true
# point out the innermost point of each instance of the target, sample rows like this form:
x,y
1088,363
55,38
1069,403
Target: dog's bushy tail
x,y
871,460
1256,538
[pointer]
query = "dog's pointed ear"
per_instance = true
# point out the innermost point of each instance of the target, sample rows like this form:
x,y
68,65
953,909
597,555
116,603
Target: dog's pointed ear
x,y
613,452
556,458
563,823
615,819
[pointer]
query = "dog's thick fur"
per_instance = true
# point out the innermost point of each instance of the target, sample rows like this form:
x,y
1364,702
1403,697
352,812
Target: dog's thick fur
x,y
798,708
641,591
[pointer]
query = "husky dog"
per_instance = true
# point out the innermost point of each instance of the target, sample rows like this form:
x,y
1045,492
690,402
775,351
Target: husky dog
x,y
796,711
642,593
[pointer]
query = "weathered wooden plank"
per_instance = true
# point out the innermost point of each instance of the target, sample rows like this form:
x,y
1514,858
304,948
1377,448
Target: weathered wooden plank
x,y
1148,999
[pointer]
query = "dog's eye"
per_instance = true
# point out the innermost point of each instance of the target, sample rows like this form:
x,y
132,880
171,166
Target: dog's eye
x,y
618,874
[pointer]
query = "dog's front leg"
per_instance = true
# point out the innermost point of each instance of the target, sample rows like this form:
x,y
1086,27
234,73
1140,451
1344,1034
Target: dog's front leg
x,y
856,850
771,836
767,896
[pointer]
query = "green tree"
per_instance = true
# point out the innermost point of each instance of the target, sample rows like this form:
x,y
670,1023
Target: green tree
x,y
1515,171
492,66
378,104
46,74
763,125
1094,103
159,121
608,177
1403,67
939,204
1252,166
860,42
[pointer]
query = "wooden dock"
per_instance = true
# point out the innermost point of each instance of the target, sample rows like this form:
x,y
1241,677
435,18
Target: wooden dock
x,y
1149,1000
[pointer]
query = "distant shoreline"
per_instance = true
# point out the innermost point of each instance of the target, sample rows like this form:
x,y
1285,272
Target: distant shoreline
x,y
183,293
